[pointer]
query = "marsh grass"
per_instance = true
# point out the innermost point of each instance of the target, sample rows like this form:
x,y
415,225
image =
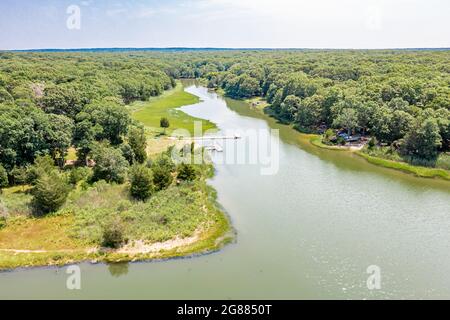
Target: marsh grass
x,y
150,112
423,172
70,234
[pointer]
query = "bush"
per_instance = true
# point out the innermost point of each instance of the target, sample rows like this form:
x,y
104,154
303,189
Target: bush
x,y
187,172
18,176
340,141
3,178
80,174
162,172
113,234
2,222
50,192
162,178
164,161
141,182
372,142
329,134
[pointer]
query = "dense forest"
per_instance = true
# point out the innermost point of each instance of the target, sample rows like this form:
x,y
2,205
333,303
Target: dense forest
x,y
50,102
72,154
71,143
400,98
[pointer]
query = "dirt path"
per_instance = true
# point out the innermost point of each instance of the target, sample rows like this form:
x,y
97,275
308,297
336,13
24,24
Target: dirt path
x,y
134,247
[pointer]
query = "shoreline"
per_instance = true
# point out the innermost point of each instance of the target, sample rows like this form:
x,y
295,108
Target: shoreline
x,y
313,139
218,233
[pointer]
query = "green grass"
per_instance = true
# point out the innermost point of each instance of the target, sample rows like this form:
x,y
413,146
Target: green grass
x,y
393,162
170,213
258,103
150,113
15,201
423,172
69,235
71,154
316,140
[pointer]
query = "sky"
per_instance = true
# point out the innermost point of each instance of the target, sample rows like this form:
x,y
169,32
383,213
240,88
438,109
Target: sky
x,y
38,24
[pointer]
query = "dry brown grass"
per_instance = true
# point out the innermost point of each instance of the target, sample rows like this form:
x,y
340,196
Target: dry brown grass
x,y
48,233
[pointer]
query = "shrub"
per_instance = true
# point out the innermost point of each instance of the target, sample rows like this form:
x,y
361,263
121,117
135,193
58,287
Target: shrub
x,y
187,172
141,182
113,234
372,142
80,174
50,192
340,141
3,178
127,153
162,172
328,134
164,161
18,176
162,178
2,222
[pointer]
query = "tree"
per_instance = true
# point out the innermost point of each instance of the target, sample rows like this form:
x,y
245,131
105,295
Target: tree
x,y
309,112
164,123
138,143
110,165
187,172
400,123
442,117
247,87
42,165
23,135
290,106
423,140
85,133
59,137
162,172
63,101
18,176
365,113
113,119
50,192
347,119
3,178
141,182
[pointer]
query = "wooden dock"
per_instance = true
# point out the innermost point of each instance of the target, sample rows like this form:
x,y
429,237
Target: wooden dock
x,y
235,137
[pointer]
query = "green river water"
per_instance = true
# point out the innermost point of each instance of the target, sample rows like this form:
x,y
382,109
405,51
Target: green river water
x,y
309,231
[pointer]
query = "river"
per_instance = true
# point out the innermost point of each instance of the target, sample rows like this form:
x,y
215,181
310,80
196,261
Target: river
x,y
310,231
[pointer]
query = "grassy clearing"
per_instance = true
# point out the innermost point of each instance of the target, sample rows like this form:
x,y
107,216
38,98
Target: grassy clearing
x,y
71,154
15,201
74,233
422,172
150,113
257,103
49,233
316,140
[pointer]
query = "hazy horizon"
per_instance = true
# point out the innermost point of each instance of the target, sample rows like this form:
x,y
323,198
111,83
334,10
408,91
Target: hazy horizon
x,y
233,24
216,49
